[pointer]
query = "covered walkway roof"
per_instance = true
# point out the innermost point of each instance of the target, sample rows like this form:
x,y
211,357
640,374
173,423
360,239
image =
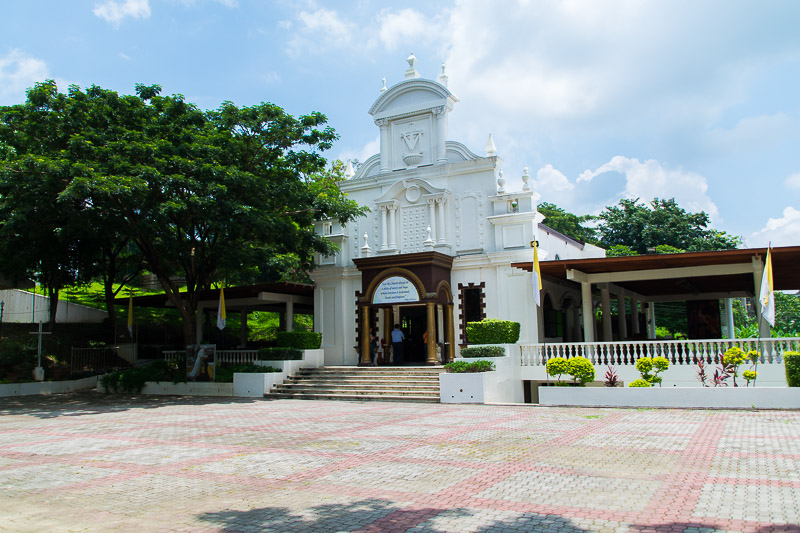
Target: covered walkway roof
x,y
682,276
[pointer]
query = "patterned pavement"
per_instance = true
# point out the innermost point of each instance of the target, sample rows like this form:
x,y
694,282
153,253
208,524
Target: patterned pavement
x,y
91,462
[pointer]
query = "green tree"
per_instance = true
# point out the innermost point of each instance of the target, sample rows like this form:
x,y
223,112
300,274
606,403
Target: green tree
x,y
661,222
567,223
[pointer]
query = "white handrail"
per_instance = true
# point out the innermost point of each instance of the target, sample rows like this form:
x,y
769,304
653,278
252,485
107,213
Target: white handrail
x,y
678,352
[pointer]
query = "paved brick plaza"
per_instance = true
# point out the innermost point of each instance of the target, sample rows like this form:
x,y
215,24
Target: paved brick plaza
x,y
89,462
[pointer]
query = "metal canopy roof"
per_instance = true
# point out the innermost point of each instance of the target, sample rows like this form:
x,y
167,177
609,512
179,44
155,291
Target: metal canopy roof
x,y
716,274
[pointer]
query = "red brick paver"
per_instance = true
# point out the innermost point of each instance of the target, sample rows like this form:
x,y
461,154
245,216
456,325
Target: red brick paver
x,y
90,462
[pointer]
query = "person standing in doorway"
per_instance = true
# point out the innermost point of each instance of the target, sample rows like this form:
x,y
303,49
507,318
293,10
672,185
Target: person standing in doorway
x,y
397,344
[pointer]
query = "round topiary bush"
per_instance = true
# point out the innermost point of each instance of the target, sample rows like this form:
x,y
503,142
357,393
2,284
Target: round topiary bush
x,y
581,370
557,366
638,383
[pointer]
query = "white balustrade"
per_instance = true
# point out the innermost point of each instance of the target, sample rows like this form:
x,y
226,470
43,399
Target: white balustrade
x,y
233,357
678,352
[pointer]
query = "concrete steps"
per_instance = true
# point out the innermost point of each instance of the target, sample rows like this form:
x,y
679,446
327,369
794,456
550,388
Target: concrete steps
x,y
399,384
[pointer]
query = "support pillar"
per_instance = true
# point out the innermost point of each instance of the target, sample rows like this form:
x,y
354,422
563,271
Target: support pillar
x,y
290,314
387,333
651,324
729,318
450,336
634,315
430,307
365,358
588,315
606,306
198,325
622,323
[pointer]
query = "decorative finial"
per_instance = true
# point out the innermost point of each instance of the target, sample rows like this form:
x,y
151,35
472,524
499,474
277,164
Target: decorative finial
x,y
411,72
491,149
429,241
383,80
525,178
366,251
501,181
348,170
443,77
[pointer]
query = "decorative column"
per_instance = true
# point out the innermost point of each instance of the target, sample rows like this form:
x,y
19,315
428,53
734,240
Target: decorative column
x,y
383,124
365,325
588,315
432,217
430,307
387,333
606,306
634,315
621,318
392,227
442,229
441,130
384,229
449,332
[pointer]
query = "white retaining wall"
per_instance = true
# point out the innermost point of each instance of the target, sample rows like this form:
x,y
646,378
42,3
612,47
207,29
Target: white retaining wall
x,y
47,387
717,397
26,307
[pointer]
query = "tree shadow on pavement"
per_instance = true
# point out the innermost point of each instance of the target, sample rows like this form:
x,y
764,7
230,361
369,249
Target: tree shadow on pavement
x,y
91,402
377,515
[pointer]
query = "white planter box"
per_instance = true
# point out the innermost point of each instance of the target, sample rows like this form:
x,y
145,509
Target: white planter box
x,y
719,397
507,385
477,387
47,387
203,388
255,385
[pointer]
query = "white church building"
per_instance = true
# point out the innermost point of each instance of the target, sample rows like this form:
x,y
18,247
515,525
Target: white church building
x,y
436,248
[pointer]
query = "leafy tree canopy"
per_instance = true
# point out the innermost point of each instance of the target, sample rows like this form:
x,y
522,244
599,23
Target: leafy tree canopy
x,y
567,223
203,196
661,223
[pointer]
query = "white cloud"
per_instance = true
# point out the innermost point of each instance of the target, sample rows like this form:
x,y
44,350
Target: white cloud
x,y
549,179
784,231
793,181
319,30
651,179
115,11
404,27
752,133
18,71
368,150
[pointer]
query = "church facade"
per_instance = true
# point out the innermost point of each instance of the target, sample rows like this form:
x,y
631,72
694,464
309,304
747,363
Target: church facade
x,y
436,248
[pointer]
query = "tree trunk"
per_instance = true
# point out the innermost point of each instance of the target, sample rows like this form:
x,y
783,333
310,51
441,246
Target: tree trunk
x,y
52,294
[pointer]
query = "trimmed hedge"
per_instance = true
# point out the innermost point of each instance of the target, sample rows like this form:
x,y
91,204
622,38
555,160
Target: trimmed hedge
x,y
302,340
492,331
791,362
483,351
280,354
460,367
224,374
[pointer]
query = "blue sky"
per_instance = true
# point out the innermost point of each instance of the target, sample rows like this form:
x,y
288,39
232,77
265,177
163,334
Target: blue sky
x,y
697,100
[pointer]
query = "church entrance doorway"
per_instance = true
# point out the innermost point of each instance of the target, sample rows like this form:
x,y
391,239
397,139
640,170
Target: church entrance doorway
x,y
414,322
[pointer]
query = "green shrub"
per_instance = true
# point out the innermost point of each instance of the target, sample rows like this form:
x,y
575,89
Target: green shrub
x,y
749,375
791,363
556,367
638,383
491,331
302,340
280,354
132,380
651,368
581,370
224,374
483,351
459,367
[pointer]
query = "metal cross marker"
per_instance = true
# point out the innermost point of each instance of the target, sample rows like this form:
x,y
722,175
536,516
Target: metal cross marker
x,y
38,372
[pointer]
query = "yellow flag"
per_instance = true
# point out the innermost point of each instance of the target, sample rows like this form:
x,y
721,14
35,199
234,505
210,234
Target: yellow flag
x,y
536,277
767,293
130,314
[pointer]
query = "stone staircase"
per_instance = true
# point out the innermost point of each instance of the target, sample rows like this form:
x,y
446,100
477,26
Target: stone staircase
x,y
388,384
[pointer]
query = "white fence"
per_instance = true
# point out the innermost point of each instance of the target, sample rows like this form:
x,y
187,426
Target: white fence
x,y
680,352
233,357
